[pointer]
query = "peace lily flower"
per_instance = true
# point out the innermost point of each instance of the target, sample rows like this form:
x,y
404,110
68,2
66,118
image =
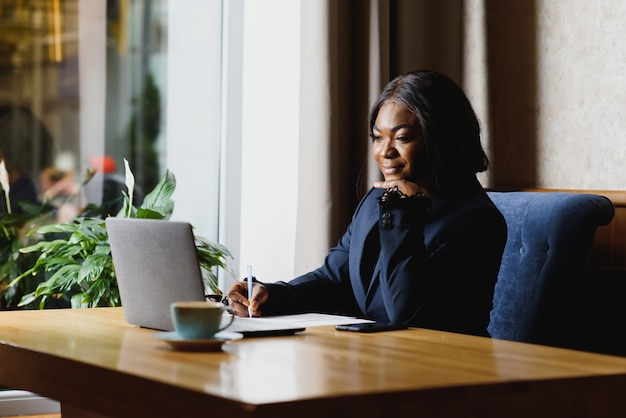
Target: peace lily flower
x,y
130,184
4,182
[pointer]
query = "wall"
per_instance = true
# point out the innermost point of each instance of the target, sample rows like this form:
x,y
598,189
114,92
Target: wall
x,y
556,93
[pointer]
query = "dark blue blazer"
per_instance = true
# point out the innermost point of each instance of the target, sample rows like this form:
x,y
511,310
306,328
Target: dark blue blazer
x,y
430,265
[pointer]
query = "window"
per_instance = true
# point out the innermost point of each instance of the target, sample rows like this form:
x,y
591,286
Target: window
x,y
121,79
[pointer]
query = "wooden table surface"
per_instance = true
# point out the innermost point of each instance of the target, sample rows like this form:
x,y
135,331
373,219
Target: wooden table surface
x,y
96,364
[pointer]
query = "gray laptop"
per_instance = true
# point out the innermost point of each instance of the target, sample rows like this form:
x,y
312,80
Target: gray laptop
x,y
156,263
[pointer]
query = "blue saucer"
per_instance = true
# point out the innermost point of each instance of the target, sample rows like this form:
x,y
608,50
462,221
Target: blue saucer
x,y
177,342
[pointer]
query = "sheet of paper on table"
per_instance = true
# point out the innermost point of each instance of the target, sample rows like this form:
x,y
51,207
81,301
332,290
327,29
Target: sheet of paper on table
x,y
289,322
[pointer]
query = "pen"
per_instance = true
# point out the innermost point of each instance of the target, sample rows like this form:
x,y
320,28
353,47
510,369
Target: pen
x,y
250,291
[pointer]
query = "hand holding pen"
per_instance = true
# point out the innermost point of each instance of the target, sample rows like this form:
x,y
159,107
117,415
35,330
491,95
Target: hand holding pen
x,y
244,303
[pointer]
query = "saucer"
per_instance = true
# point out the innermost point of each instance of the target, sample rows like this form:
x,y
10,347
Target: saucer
x,y
177,342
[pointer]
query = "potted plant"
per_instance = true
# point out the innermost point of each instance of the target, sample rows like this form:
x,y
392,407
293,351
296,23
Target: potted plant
x,y
75,260
14,226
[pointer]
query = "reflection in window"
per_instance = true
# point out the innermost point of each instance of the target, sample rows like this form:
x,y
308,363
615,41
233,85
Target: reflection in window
x,y
50,130
38,92
135,54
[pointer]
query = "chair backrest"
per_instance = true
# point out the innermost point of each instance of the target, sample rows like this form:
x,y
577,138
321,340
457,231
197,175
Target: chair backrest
x,y
550,235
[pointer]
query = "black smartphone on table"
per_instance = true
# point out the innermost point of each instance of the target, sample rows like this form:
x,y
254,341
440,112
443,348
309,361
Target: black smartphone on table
x,y
370,327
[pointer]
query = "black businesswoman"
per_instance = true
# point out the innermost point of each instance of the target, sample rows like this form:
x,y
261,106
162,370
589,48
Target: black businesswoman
x,y
424,245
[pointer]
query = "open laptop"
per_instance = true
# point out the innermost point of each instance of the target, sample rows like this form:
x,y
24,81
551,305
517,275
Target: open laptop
x,y
156,263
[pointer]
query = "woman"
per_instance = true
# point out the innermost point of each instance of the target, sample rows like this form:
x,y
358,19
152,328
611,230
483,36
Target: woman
x,y
424,245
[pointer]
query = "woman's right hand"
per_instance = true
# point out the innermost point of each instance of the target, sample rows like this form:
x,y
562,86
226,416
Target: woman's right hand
x,y
405,186
238,299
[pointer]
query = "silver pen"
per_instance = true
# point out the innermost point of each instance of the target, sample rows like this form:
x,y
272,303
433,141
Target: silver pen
x,y
250,291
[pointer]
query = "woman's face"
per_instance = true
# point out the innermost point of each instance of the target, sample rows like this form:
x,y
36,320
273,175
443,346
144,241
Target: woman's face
x,y
397,146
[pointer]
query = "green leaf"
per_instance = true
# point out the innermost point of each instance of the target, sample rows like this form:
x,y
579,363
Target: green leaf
x,y
160,198
43,246
148,214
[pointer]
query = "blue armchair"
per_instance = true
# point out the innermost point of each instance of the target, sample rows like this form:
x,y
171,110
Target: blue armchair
x,y
550,234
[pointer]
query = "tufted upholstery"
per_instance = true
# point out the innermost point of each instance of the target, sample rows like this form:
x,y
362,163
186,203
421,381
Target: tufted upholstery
x,y
549,241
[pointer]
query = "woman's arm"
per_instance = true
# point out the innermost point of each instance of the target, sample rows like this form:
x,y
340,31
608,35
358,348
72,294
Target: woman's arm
x,y
326,289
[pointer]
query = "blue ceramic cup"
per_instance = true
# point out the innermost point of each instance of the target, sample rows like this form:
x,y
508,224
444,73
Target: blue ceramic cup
x,y
195,320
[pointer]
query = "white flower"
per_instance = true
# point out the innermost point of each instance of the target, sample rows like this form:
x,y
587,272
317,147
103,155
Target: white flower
x,y
4,182
130,183
4,177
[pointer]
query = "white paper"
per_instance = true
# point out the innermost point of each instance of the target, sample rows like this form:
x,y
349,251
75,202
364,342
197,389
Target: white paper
x,y
291,321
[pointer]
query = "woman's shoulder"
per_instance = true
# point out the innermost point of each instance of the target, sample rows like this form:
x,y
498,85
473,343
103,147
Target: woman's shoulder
x,y
474,201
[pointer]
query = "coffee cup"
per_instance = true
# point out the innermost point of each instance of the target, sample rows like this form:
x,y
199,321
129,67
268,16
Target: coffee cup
x,y
195,320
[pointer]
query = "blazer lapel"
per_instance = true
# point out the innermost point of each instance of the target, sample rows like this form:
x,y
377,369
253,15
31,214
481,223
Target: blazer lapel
x,y
365,249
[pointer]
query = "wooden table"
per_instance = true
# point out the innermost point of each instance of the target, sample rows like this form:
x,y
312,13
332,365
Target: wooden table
x,y
97,365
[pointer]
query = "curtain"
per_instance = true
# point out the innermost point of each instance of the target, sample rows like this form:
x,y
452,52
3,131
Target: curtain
x,y
340,72
350,50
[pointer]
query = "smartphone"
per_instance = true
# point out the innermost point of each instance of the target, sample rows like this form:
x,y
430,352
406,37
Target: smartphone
x,y
370,327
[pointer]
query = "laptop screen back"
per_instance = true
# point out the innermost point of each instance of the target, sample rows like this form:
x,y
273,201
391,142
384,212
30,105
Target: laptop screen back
x,y
155,263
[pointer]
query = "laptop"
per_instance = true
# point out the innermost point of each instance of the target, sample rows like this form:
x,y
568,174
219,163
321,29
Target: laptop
x,y
156,263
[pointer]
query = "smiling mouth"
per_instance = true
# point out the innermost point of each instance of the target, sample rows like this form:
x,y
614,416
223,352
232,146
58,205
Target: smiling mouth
x,y
391,170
